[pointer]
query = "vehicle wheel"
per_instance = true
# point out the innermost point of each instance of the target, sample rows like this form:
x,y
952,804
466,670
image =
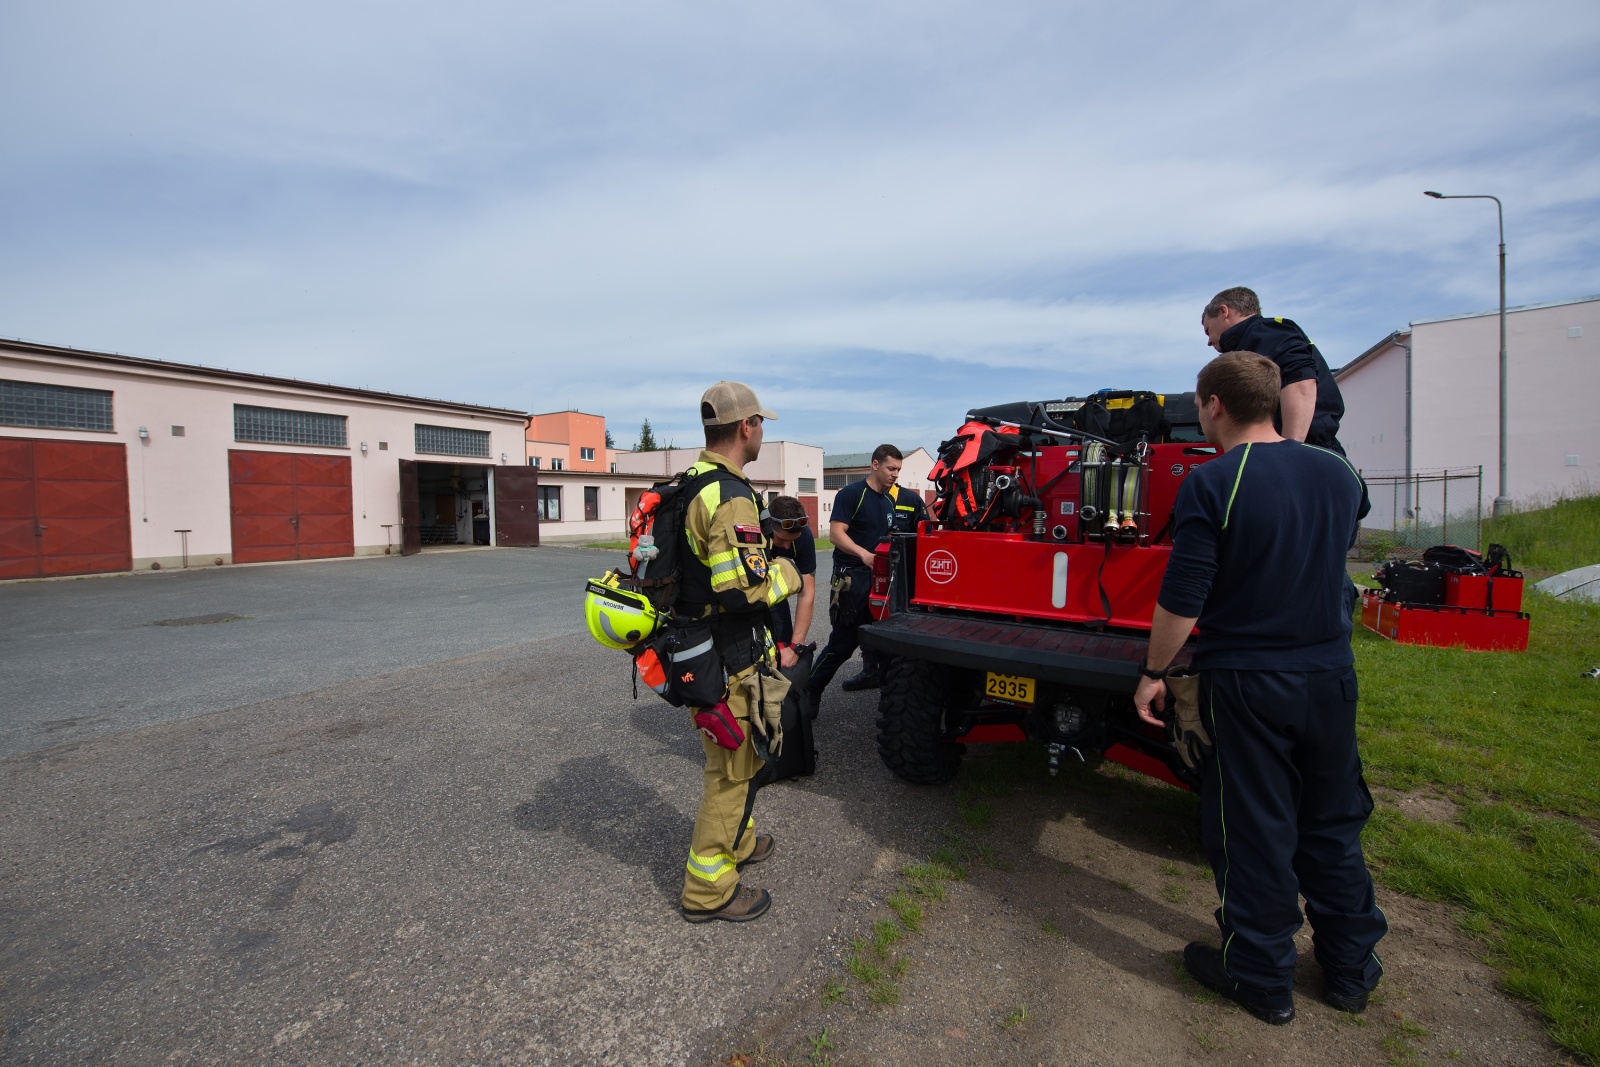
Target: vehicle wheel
x,y
911,707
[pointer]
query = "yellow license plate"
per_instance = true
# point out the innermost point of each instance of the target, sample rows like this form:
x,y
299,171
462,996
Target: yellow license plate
x,y
1009,687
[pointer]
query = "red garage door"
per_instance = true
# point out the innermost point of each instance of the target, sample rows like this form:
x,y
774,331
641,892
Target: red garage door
x,y
290,506
63,508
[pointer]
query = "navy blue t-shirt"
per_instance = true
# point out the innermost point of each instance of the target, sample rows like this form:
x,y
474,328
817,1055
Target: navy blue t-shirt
x,y
780,618
1298,360
870,515
1258,555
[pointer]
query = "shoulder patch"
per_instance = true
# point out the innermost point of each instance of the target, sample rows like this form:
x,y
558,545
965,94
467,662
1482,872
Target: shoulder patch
x,y
756,563
748,535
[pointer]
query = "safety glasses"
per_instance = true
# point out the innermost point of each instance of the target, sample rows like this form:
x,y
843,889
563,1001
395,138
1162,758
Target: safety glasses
x,y
790,524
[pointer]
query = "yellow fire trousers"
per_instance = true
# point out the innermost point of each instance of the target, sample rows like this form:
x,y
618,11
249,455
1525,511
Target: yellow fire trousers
x,y
712,874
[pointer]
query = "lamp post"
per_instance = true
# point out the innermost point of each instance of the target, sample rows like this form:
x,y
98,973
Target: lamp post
x,y
1502,502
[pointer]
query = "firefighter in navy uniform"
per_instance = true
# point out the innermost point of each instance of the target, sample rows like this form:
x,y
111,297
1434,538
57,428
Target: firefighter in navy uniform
x,y
730,582
1258,559
1309,399
864,513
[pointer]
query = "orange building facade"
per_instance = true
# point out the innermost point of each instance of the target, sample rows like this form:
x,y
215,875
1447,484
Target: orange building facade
x,y
567,440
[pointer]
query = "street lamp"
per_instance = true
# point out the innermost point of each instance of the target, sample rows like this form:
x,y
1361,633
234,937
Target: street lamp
x,y
1502,503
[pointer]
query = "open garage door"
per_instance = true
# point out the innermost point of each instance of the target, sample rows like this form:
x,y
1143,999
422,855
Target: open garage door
x,y
516,506
290,505
410,509
63,508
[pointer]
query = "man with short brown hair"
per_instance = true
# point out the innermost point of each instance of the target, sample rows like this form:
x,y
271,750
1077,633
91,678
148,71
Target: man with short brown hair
x,y
1258,560
1309,398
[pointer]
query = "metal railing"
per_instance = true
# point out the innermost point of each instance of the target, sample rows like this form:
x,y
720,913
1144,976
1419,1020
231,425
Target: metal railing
x,y
1411,512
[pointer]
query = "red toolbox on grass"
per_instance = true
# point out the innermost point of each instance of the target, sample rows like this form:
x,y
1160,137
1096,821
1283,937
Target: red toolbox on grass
x,y
1448,626
1483,591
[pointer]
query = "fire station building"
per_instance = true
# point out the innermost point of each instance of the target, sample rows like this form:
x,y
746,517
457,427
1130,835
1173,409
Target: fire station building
x,y
116,463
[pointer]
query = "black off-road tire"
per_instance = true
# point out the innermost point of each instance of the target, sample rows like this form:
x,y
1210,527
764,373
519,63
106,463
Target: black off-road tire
x,y
911,708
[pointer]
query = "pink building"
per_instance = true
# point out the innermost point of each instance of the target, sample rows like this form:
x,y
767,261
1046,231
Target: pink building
x,y
1426,398
112,463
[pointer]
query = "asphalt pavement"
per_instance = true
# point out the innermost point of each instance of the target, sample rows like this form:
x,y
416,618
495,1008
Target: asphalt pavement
x,y
401,811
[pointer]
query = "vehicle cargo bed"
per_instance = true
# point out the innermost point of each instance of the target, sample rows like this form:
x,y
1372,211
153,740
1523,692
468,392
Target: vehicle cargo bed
x,y
1098,660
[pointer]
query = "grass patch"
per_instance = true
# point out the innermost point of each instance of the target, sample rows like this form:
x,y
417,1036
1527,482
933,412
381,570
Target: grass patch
x,y
1175,892
907,909
1401,1043
1530,885
1014,1018
1502,735
1552,539
885,933
619,546
832,992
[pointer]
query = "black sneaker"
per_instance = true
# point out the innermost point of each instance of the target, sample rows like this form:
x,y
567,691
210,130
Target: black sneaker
x,y
1205,964
1355,1005
860,682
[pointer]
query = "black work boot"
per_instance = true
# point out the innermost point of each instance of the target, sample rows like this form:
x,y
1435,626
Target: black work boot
x,y
765,843
1354,1004
1205,964
746,903
860,682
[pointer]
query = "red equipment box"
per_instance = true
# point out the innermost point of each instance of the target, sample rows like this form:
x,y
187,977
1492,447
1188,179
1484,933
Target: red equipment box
x,y
1001,573
1446,626
1482,591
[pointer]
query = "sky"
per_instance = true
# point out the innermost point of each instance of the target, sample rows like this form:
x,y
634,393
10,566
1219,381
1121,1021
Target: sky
x,y
877,214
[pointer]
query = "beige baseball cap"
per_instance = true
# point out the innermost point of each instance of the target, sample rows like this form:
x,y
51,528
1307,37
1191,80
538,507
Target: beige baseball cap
x,y
728,402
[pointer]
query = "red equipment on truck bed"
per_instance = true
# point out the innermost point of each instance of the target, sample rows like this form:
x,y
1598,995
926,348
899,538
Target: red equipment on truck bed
x,y
1022,609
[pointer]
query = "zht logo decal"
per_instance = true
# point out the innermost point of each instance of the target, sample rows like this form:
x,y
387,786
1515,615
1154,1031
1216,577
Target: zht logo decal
x,y
940,567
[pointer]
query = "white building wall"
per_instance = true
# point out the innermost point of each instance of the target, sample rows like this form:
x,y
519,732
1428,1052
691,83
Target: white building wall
x,y
1373,430
182,482
1553,377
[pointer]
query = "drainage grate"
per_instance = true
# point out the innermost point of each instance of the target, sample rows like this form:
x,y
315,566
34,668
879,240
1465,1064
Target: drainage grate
x,y
200,620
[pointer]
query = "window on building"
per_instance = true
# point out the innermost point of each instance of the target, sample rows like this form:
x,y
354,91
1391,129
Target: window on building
x,y
55,407
533,461
591,503
452,441
833,481
808,485
613,468
586,454
558,464
550,503
283,426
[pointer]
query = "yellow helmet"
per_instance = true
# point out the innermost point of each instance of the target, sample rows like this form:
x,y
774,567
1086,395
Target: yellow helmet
x,y
618,618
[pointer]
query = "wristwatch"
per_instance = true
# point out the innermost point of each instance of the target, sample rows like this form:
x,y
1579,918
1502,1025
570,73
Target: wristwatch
x,y
1144,669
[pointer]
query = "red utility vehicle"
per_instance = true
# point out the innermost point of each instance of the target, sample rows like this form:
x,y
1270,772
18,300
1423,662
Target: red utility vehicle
x,y
1021,611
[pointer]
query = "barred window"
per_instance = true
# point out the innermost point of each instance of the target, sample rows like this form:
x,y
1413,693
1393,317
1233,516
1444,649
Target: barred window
x,y
55,407
808,485
450,441
834,481
281,426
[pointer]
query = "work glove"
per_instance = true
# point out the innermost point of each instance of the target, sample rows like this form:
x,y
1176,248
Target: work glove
x,y
1185,728
766,690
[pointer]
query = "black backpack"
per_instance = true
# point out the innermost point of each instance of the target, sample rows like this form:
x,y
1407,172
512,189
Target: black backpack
x,y
660,515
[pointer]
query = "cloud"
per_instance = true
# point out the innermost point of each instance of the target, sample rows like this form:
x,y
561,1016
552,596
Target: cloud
x,y
608,205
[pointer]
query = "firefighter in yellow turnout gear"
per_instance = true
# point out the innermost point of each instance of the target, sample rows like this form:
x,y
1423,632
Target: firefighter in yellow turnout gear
x,y
730,583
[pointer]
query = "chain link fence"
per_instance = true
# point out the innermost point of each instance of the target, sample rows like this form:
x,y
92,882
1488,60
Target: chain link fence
x,y
1412,511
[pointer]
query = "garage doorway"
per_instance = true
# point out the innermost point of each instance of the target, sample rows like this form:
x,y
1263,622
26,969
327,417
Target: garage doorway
x,y
453,504
290,505
63,508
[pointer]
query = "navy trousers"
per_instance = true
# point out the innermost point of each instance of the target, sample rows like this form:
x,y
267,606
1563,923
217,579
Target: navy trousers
x,y
843,638
1282,807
